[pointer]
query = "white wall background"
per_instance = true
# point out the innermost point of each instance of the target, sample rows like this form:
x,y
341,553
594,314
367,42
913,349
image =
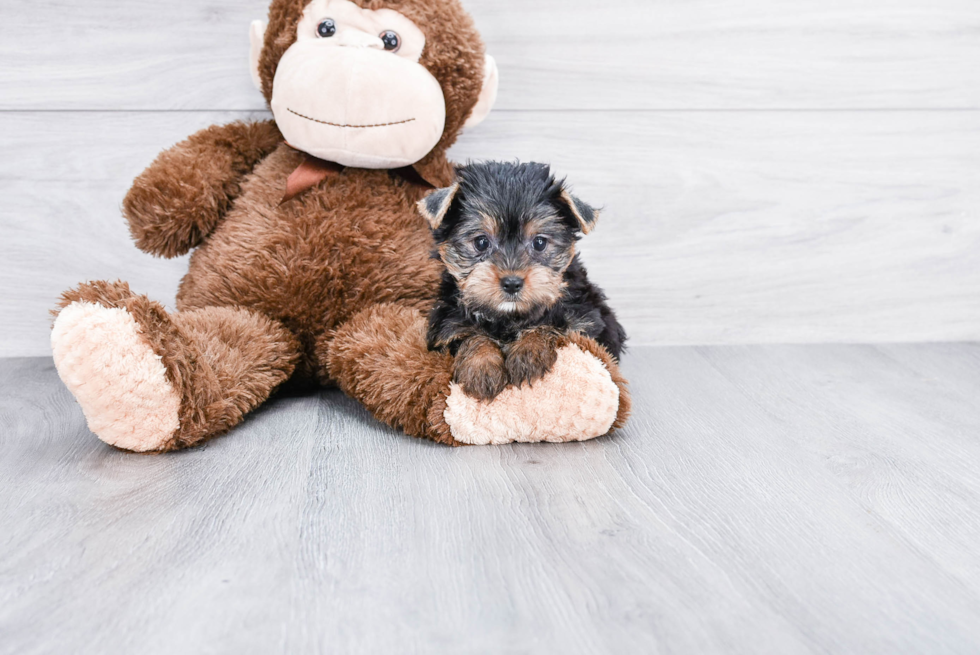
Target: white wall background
x,y
771,171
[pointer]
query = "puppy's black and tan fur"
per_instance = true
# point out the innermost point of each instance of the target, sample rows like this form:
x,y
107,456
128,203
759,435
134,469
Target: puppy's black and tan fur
x,y
513,283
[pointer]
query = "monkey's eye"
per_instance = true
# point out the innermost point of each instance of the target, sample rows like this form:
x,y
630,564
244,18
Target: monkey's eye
x,y
539,243
391,40
481,243
326,28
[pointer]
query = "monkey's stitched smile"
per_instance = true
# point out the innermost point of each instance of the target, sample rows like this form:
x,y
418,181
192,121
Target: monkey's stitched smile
x,y
353,126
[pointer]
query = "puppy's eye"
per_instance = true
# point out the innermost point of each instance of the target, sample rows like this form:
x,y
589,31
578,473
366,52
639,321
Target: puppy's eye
x,y
391,40
326,28
539,243
481,243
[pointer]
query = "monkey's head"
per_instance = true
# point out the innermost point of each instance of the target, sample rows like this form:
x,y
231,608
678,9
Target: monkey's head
x,y
372,83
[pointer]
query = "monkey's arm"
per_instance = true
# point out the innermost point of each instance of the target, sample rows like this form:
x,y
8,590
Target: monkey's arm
x,y
183,195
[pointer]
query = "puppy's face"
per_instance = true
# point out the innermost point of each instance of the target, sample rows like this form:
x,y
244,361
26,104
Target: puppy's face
x,y
506,263
506,233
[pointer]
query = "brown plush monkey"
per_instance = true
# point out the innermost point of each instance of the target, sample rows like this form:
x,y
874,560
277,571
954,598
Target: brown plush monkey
x,y
311,261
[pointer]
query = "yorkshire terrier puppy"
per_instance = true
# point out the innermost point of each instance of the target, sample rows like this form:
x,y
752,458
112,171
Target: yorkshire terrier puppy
x,y
513,283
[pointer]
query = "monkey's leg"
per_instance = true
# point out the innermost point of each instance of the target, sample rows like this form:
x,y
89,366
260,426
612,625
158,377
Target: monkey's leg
x,y
152,381
380,358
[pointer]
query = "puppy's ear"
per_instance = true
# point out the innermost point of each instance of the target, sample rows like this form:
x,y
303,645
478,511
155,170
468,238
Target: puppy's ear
x,y
435,205
584,214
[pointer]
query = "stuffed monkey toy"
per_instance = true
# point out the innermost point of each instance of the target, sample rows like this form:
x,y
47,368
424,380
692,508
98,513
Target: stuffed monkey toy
x,y
310,260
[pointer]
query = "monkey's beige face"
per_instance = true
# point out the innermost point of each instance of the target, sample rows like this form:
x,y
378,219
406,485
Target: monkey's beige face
x,y
351,90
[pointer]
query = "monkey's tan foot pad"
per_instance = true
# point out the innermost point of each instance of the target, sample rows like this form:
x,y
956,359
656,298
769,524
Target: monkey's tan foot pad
x,y
116,377
576,401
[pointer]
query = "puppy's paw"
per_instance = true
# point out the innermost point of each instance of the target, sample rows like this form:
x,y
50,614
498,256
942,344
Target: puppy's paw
x,y
480,369
531,357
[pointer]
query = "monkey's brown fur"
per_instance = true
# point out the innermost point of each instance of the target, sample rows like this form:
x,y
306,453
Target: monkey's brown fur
x,y
332,286
223,361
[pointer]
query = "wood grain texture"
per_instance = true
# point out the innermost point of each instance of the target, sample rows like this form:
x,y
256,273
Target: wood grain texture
x,y
767,499
741,227
553,54
717,227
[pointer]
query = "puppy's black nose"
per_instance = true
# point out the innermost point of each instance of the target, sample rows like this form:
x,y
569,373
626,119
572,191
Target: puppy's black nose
x,y
512,284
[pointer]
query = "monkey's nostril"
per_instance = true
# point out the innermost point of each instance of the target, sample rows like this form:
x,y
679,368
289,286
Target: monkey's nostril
x,y
512,284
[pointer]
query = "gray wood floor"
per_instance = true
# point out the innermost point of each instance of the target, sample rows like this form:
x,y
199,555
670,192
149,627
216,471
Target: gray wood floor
x,y
766,499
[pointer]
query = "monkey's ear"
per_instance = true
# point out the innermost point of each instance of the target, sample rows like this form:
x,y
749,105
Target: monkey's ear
x,y
435,205
256,38
584,214
488,94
